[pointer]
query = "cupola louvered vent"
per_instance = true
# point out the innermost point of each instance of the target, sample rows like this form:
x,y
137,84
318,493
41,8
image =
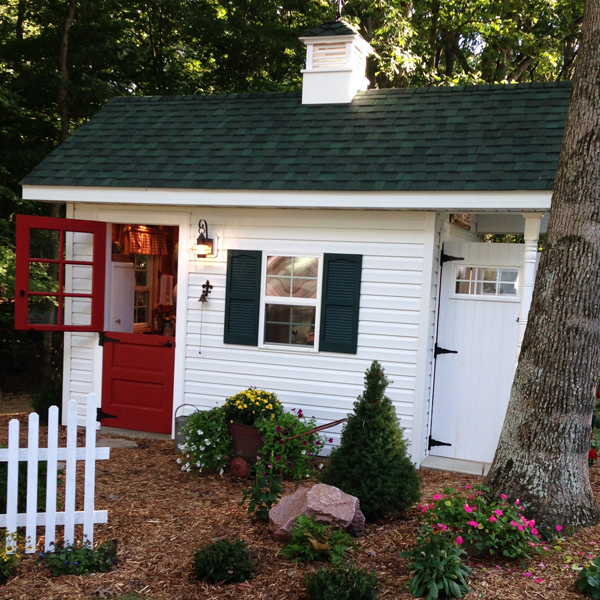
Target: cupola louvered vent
x,y
326,56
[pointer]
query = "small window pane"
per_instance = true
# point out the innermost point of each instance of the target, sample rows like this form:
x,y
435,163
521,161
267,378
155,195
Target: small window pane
x,y
489,274
306,266
304,314
304,288
463,287
507,289
279,286
303,335
277,333
278,313
506,275
43,277
44,243
489,288
464,273
43,310
279,265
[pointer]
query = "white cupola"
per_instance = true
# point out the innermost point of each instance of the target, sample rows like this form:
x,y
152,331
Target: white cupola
x,y
336,61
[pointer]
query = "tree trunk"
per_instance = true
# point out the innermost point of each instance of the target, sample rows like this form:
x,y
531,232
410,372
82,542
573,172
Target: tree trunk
x,y
542,453
63,85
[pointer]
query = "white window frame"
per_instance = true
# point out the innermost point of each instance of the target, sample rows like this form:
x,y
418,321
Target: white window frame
x,y
264,300
479,297
149,287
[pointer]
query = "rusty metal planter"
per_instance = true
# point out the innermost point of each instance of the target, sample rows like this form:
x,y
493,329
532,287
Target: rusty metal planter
x,y
246,441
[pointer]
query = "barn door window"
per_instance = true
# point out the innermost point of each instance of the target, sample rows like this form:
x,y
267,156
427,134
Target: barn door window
x,y
59,279
487,282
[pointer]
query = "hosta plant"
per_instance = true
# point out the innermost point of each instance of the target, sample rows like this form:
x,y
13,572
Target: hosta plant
x,y
438,569
489,525
588,581
207,443
312,540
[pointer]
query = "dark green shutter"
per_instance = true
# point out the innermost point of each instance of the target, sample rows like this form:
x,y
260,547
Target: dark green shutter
x,y
340,302
242,297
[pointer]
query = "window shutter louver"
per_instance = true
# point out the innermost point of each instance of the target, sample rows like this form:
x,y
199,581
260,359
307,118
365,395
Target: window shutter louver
x,y
340,302
242,297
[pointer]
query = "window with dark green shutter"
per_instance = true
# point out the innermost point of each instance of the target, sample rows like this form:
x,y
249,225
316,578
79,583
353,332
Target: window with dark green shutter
x,y
242,297
340,302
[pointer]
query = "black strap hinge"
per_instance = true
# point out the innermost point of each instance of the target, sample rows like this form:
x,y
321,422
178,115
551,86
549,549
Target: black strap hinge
x,y
100,414
447,258
439,350
103,338
433,443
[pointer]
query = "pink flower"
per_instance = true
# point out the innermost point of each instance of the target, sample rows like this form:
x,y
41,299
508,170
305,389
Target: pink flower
x,y
592,543
559,528
517,501
532,544
538,580
498,567
331,440
526,574
503,496
436,497
498,513
469,509
442,526
278,458
513,523
459,540
520,528
473,524
424,508
493,519
534,531
468,487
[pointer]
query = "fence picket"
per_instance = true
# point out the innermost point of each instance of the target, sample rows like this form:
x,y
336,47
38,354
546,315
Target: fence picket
x,y
52,474
70,478
33,435
12,482
90,470
52,454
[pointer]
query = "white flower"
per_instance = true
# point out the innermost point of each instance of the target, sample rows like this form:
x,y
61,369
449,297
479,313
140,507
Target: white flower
x,y
179,460
200,448
303,451
321,466
307,475
207,442
182,446
200,432
221,472
183,468
198,464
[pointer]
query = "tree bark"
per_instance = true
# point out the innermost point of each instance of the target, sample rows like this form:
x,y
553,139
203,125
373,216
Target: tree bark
x,y
63,81
542,453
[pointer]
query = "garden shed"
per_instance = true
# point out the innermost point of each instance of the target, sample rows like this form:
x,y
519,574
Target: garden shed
x,y
286,240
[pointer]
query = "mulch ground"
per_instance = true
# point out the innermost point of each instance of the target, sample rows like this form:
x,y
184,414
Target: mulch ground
x,y
160,515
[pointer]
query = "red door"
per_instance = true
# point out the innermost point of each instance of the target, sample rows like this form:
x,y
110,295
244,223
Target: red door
x,y
137,381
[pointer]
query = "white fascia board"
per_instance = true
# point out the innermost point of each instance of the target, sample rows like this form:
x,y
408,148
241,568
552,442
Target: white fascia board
x,y
442,201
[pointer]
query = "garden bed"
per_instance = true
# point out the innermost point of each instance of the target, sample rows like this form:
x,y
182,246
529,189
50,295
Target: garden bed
x,y
160,515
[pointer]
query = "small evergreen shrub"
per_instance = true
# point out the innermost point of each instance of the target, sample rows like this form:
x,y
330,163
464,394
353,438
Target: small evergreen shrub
x,y
207,442
49,395
224,561
439,571
341,582
78,559
312,540
588,580
371,462
295,458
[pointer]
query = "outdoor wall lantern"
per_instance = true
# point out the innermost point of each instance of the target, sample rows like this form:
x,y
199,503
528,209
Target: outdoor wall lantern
x,y
204,247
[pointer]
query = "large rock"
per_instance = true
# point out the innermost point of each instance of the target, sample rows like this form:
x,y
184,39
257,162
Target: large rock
x,y
327,503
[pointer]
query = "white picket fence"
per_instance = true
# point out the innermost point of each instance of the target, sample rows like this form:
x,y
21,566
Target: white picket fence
x,y
50,519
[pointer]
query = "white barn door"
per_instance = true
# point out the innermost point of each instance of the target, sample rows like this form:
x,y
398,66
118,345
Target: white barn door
x,y
478,312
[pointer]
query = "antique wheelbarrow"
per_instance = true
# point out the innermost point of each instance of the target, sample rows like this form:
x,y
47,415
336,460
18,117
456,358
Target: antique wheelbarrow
x,y
246,441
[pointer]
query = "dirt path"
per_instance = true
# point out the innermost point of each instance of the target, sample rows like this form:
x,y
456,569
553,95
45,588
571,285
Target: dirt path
x,y
15,403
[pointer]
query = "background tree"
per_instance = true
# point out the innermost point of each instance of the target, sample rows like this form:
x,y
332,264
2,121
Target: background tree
x,y
542,454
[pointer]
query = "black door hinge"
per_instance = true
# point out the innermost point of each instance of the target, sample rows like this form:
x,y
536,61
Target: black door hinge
x,y
439,350
447,258
103,338
433,443
100,414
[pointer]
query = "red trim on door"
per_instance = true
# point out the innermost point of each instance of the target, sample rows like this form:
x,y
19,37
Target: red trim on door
x,y
23,293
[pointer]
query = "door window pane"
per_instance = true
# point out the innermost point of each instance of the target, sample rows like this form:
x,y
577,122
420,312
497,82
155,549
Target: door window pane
x,y
483,281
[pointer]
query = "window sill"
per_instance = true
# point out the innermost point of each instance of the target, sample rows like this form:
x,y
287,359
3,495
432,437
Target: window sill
x,y
288,349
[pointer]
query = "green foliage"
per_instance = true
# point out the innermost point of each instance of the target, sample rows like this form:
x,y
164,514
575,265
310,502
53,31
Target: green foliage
x,y
264,494
588,580
295,458
490,525
341,582
371,462
79,559
438,568
224,561
312,540
22,490
248,406
8,562
207,442
49,395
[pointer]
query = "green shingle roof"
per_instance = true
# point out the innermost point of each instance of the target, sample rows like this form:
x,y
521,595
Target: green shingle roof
x,y
331,28
501,137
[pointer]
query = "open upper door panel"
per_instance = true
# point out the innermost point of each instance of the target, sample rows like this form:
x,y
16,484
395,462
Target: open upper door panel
x,y
60,274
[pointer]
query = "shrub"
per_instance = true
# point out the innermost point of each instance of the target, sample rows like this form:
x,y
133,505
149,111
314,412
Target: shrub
x,y
588,580
312,540
341,582
8,562
371,462
224,561
295,458
78,559
493,525
250,405
438,568
49,395
207,442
